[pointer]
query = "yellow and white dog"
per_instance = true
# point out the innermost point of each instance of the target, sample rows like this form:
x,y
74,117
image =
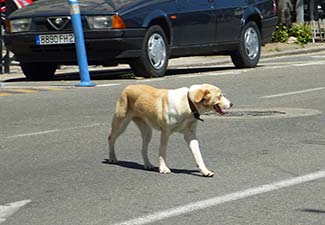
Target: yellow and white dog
x,y
169,111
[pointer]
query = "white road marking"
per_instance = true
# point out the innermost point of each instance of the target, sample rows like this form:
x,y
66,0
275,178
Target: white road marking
x,y
224,73
216,73
294,92
275,67
150,80
52,131
318,56
200,205
308,64
9,209
107,85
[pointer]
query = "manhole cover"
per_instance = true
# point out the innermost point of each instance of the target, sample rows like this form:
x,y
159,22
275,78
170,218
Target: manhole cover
x,y
262,113
254,113
314,142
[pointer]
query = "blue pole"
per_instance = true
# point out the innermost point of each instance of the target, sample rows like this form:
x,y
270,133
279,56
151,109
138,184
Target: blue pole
x,y
80,45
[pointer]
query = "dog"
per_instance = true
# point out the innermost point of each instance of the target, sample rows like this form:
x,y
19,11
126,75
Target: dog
x,y
167,110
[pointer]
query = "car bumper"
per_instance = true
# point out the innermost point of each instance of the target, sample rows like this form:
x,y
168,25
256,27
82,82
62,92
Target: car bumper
x,y
102,47
268,27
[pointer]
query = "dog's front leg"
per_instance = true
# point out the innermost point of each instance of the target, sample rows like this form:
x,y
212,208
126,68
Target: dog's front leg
x,y
193,144
162,152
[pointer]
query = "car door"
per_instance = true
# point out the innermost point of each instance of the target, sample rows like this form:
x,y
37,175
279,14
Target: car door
x,y
195,23
229,14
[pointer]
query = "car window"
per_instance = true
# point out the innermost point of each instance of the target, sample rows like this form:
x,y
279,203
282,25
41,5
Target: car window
x,y
230,3
119,3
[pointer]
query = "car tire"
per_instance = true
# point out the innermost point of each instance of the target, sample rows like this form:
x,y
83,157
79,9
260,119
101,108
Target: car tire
x,y
249,51
153,61
38,71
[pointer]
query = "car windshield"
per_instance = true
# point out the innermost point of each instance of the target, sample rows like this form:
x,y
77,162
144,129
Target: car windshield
x,y
118,3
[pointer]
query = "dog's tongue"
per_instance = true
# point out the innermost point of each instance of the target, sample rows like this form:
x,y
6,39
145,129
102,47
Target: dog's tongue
x,y
218,109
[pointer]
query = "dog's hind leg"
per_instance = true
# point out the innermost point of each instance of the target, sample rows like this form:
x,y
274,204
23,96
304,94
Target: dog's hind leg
x,y
118,127
146,133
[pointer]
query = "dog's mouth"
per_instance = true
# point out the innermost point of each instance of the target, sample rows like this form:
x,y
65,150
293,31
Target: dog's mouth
x,y
218,109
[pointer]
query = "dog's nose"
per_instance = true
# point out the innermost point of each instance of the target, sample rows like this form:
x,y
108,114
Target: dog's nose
x,y
231,105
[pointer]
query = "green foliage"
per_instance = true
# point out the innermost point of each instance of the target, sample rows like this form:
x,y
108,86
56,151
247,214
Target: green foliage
x,y
281,34
302,32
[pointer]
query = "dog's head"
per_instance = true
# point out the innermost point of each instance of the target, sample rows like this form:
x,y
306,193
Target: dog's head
x,y
207,97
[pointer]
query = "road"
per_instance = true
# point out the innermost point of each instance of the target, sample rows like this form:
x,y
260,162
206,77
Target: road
x,y
268,152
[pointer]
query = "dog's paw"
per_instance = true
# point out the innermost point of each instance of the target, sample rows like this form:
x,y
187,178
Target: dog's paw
x,y
207,173
164,170
149,166
112,160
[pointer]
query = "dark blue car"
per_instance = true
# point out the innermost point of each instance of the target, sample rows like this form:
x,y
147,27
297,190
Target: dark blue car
x,y
142,33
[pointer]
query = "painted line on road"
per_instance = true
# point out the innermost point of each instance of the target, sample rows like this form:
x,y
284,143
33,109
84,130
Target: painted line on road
x,y
195,206
150,80
9,209
294,92
318,56
275,67
210,73
52,131
308,64
11,90
107,85
5,94
223,73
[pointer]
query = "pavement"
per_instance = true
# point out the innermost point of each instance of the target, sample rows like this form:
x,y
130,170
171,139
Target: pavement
x,y
268,51
53,148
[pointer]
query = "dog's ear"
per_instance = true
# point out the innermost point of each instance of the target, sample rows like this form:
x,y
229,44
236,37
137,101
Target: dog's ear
x,y
202,94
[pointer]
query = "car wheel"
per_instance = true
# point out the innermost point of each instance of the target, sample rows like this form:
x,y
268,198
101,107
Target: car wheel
x,y
249,51
38,71
153,61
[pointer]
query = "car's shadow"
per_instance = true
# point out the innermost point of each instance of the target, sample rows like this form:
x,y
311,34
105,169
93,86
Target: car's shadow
x,y
137,166
124,74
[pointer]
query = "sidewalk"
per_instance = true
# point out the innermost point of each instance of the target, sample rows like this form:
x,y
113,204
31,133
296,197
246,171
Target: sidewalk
x,y
268,51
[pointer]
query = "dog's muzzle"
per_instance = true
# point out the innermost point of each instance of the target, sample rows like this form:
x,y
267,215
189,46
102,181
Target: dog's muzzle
x,y
219,110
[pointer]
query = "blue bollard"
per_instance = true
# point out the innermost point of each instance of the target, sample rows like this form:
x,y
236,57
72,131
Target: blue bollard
x,y
80,45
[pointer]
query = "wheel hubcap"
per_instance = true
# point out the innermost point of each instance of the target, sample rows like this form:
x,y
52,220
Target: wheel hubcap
x,y
157,51
251,43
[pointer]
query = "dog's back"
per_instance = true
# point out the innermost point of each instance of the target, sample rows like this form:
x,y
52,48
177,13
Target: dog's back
x,y
144,102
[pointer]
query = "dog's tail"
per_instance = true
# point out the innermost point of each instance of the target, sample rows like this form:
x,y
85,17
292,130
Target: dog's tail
x,y
122,106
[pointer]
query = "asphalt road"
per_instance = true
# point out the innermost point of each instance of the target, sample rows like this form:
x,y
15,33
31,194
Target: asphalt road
x,y
268,153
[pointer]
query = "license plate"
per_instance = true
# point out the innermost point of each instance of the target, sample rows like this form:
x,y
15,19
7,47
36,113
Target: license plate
x,y
55,39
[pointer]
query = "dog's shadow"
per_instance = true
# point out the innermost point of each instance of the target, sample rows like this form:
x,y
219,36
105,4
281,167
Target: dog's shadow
x,y
137,166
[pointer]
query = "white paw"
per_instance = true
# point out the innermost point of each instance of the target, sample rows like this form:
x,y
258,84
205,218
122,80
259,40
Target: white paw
x,y
164,170
207,173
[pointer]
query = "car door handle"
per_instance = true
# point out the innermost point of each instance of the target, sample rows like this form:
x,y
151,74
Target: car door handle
x,y
210,0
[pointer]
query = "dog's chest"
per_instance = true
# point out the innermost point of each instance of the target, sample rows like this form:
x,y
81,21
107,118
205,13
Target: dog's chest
x,y
179,115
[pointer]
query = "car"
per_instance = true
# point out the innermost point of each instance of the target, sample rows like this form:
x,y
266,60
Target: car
x,y
142,33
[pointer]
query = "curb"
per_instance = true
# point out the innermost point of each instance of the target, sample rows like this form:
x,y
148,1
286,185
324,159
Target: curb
x,y
294,52
226,59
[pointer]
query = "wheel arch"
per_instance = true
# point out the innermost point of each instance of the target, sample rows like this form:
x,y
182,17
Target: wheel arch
x,y
252,14
160,18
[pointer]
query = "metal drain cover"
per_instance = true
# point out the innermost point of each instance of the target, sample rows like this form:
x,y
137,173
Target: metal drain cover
x,y
256,113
